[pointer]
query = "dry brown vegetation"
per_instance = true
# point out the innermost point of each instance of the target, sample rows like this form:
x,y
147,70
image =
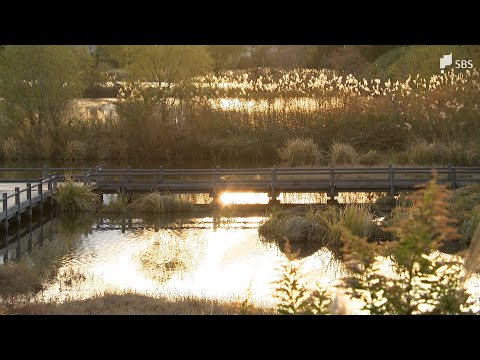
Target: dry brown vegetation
x,y
136,304
16,279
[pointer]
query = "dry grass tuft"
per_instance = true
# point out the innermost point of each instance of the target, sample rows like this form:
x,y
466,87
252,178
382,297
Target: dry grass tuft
x,y
300,152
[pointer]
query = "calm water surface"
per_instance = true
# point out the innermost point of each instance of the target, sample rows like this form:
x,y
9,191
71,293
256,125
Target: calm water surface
x,y
192,256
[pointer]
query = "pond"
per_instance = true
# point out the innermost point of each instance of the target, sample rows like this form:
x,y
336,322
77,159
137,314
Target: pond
x,y
162,256
200,256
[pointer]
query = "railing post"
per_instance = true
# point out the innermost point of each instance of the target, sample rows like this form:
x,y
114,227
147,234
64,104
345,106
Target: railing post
x,y
217,173
332,184
45,171
97,175
5,222
54,181
449,178
4,201
391,176
274,184
85,180
215,180
160,175
155,188
454,178
29,198
89,177
17,204
49,184
214,177
122,184
129,179
17,198
40,191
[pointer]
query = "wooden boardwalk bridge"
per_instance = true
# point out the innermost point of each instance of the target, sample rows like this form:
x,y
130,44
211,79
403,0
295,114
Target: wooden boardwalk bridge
x,y
41,183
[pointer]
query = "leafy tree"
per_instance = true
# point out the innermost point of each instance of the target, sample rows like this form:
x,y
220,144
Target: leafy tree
x,y
38,83
168,63
117,56
400,62
224,56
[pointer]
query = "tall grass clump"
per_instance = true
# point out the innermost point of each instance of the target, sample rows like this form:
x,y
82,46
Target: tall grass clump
x,y
356,218
318,224
292,225
156,202
74,150
464,204
372,157
11,149
118,204
422,280
469,226
422,152
71,197
343,154
300,152
472,260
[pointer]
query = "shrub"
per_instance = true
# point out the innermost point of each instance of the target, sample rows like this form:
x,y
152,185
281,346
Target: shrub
x,y
422,281
291,294
300,152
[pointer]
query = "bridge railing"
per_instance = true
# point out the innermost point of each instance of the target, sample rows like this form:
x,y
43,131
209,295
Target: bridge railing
x,y
274,177
51,184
